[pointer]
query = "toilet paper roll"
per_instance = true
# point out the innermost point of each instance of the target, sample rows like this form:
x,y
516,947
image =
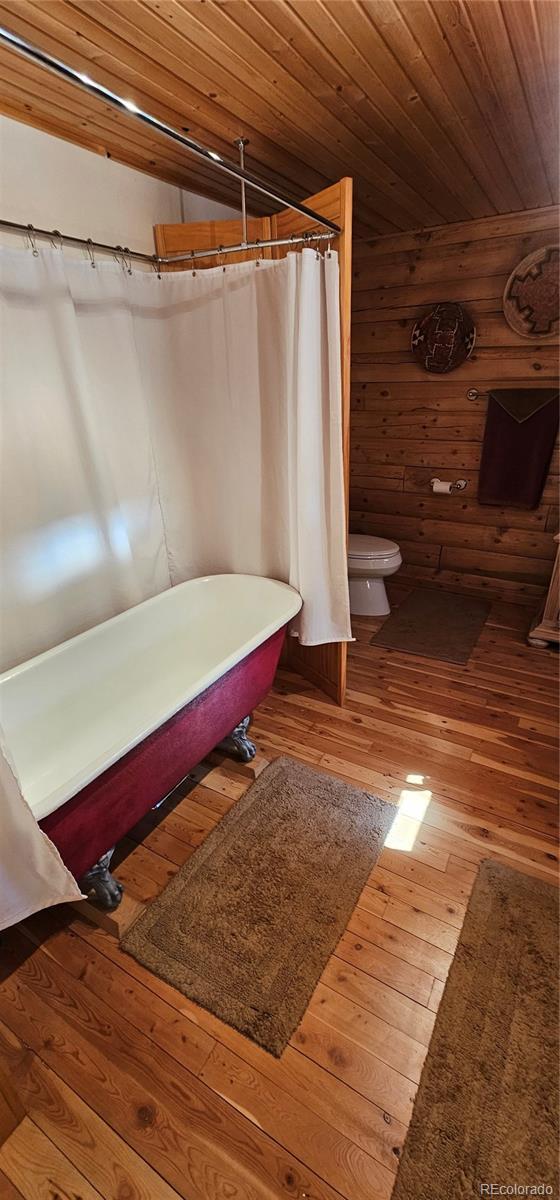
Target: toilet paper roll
x,y
439,486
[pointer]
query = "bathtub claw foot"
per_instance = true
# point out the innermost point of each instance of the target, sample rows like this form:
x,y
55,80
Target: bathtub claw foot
x,y
107,890
239,743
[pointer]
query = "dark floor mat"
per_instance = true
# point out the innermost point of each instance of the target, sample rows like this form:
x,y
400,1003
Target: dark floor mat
x,y
435,624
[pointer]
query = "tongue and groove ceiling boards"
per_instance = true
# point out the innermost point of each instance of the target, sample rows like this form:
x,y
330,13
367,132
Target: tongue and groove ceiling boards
x,y
441,110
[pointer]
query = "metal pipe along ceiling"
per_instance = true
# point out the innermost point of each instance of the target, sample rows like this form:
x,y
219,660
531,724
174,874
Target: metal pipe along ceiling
x,y
14,42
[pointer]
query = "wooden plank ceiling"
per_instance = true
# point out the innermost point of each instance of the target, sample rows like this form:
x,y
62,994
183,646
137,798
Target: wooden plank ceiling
x,y
441,110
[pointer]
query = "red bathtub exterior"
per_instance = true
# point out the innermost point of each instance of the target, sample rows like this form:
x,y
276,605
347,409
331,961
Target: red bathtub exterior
x,y
103,812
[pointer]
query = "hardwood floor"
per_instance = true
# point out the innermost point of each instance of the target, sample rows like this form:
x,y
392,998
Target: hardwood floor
x,y
134,1093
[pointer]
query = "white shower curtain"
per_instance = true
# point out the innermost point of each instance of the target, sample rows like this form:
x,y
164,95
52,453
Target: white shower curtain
x,y
247,428
32,873
81,531
159,429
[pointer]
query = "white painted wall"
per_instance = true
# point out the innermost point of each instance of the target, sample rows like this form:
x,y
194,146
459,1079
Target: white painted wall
x,y
53,184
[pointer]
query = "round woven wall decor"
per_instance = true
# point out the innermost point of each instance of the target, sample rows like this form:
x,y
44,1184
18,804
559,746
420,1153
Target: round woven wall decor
x,y
443,338
531,296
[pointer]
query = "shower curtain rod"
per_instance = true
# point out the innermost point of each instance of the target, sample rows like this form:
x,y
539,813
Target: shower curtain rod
x,y
158,260
71,75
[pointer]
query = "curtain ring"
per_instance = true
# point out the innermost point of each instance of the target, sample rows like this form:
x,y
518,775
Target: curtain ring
x,y
90,252
120,254
57,234
258,249
294,237
329,251
220,256
193,266
156,266
31,236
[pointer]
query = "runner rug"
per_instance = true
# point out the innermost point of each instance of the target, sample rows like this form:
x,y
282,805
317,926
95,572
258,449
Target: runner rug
x,y
486,1111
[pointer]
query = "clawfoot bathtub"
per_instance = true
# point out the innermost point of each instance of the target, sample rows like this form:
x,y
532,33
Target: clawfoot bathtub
x,y
104,726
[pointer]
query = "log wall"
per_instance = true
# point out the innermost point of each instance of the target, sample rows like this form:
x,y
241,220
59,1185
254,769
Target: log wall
x,y
408,426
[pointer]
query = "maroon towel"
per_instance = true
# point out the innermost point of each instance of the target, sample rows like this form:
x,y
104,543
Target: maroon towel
x,y
521,429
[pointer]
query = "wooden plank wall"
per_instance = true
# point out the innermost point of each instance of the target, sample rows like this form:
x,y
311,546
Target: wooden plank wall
x,y
408,426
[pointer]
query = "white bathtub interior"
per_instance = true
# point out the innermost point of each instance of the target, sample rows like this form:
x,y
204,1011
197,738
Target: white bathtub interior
x,y
71,712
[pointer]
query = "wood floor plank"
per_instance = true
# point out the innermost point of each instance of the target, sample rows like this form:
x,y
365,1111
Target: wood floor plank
x,y
409,868
356,1066
461,869
189,809
536,809
437,993
386,885
398,1050
496,837
88,1142
547,780
211,800
199,1144
183,1041
483,727
398,1011
431,856
371,1127
164,843
402,945
430,929
8,1190
226,779
39,1169
144,888
388,968
466,691
146,861
331,1155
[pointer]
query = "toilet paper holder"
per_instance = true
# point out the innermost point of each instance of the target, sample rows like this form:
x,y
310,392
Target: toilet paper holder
x,y
447,488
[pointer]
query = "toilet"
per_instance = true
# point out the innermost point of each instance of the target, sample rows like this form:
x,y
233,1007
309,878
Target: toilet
x,y
370,559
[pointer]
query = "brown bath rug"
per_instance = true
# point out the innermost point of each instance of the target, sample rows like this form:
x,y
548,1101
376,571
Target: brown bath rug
x,y
438,624
486,1111
247,925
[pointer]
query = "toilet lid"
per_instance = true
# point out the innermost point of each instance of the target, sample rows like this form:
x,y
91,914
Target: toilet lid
x,y
363,546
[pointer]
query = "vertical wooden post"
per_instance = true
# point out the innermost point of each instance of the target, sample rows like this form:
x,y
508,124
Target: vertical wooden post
x,y
325,665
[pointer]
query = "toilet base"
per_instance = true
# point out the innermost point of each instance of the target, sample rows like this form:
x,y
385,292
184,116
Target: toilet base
x,y
368,598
